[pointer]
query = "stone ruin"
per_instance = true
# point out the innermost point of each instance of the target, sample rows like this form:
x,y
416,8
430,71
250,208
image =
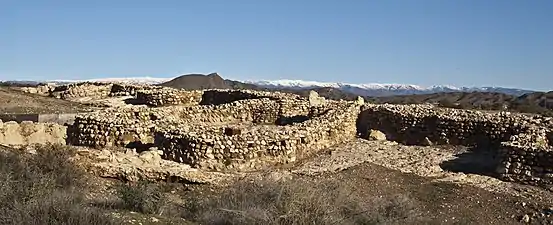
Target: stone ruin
x,y
222,129
247,130
95,90
521,142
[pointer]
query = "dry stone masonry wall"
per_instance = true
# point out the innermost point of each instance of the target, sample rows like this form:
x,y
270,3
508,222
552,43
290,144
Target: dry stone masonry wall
x,y
212,147
78,90
168,96
527,158
522,142
96,90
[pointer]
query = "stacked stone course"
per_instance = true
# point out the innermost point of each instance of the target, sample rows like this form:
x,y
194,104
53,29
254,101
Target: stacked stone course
x,y
412,124
527,158
124,126
129,90
168,96
85,89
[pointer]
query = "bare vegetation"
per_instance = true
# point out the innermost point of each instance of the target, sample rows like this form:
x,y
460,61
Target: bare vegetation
x,y
295,202
143,197
44,188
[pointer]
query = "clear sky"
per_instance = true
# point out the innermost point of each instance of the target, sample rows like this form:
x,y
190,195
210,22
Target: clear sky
x,y
426,42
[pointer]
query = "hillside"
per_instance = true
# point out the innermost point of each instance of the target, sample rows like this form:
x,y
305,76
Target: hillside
x,y
15,101
197,82
538,102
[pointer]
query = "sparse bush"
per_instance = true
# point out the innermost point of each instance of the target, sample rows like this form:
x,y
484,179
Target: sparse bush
x,y
143,197
293,202
41,188
57,208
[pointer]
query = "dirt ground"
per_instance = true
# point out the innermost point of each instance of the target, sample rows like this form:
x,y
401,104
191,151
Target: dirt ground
x,y
13,101
439,192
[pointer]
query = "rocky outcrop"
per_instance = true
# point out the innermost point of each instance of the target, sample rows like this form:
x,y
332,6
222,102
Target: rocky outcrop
x,y
44,90
28,133
147,165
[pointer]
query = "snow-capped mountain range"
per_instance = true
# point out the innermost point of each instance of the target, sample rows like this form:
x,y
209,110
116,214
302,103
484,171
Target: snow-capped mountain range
x,y
370,89
378,89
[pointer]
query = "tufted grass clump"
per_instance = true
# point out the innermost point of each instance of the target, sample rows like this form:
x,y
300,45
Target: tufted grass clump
x,y
294,203
44,187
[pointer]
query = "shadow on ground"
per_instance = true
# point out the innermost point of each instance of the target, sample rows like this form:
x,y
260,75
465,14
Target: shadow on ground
x,y
480,161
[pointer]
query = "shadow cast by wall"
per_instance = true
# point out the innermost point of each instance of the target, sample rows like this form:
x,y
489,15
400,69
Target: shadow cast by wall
x,y
289,120
133,101
139,146
477,160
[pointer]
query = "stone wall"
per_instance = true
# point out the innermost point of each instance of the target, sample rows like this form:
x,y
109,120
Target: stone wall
x,y
79,90
95,90
40,89
168,96
124,126
212,147
413,124
527,158
25,133
521,142
240,129
129,90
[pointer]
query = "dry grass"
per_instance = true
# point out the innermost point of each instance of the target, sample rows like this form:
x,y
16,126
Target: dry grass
x,y
295,203
143,197
44,188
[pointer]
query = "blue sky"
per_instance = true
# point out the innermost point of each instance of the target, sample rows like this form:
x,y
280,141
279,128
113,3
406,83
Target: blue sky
x,y
426,42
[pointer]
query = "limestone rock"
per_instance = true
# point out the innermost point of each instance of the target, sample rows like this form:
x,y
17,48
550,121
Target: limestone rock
x,y
315,100
376,135
426,142
360,100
